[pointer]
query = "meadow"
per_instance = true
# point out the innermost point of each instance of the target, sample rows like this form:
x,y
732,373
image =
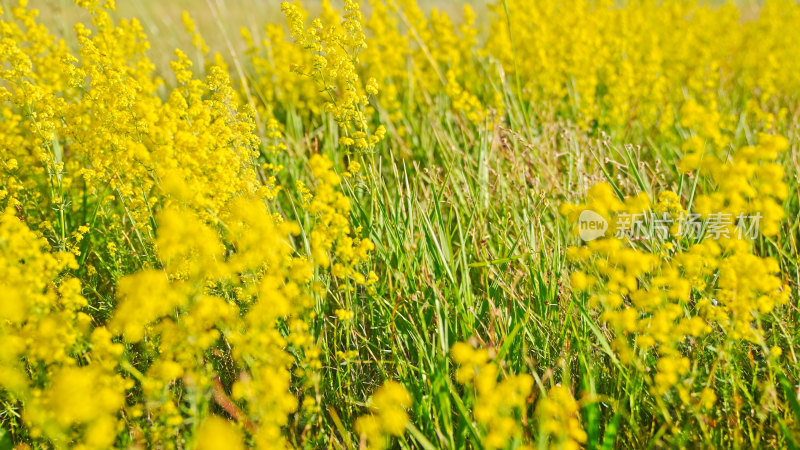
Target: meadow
x,y
389,224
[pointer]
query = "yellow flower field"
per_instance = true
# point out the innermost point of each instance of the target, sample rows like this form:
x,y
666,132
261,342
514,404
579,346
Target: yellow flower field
x,y
384,224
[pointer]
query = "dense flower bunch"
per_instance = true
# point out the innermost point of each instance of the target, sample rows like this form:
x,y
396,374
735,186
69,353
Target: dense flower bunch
x,y
560,419
595,60
257,286
54,362
343,63
498,403
679,287
89,129
388,417
579,58
205,295
219,315
334,45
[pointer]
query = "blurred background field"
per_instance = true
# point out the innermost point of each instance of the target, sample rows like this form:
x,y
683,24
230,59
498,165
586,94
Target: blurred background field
x,y
161,19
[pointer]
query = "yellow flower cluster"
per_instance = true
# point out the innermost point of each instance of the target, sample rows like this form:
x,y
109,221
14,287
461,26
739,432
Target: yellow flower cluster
x,y
91,127
749,180
205,295
54,361
219,312
594,60
559,419
580,58
388,417
498,404
350,63
333,45
333,236
675,288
